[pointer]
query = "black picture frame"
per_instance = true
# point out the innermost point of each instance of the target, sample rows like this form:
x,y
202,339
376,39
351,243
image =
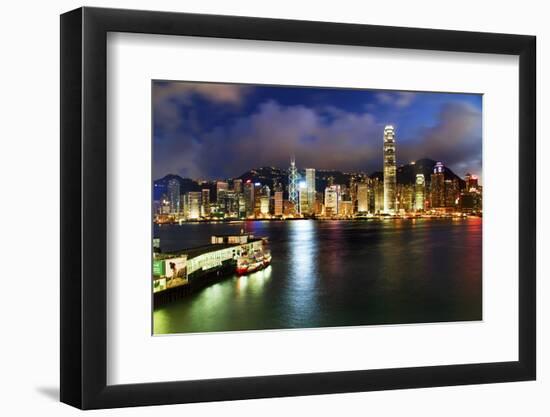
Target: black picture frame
x,y
84,207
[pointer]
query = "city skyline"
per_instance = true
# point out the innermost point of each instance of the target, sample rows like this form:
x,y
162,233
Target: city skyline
x,y
199,127
435,191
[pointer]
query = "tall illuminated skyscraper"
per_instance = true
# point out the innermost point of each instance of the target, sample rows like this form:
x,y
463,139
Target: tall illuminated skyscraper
x,y
221,189
310,185
362,197
278,203
437,186
419,192
303,198
390,170
174,195
293,182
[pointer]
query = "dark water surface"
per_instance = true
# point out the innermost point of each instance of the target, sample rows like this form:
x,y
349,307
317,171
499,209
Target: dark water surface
x,y
336,273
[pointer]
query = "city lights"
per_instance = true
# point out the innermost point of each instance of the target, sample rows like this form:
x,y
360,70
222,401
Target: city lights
x,y
432,190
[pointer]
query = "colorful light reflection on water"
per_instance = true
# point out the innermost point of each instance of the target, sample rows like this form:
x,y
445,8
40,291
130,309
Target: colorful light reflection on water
x,y
337,273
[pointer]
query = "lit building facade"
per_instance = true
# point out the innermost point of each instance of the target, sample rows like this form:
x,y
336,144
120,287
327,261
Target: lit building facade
x,y
174,195
419,192
205,202
194,200
221,188
264,205
390,170
238,185
249,197
293,180
303,198
332,200
471,183
278,203
378,197
310,186
437,186
363,197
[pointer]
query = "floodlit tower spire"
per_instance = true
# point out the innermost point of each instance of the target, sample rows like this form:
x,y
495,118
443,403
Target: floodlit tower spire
x,y
293,181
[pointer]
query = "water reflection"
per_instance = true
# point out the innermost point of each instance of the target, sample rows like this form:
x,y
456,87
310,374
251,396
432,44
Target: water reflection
x,y
302,272
337,273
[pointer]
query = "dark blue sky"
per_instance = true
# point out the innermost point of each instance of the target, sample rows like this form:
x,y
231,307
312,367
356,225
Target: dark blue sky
x,y
210,131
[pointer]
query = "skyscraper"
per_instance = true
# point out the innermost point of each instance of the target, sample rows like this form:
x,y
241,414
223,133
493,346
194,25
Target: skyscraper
x,y
238,185
174,195
303,198
205,201
362,197
278,203
437,186
419,192
293,182
221,188
389,170
452,192
310,185
249,197
332,200
471,182
194,200
264,205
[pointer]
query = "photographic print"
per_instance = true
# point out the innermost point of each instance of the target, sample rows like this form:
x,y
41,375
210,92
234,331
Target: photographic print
x,y
293,207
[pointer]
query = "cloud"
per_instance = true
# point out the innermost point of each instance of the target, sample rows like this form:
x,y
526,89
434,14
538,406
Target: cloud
x,y
455,139
182,91
325,137
270,135
398,100
168,97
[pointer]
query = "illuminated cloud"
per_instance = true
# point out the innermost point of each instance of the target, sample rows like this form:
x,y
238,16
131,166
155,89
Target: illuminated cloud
x,y
455,139
222,130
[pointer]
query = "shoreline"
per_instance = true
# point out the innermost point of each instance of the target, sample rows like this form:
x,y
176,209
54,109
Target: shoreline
x,y
356,219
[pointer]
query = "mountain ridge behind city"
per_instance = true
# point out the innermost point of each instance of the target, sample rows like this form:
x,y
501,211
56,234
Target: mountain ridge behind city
x,y
406,174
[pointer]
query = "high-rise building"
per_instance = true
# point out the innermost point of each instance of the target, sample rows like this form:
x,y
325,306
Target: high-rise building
x,y
405,198
363,197
249,197
419,192
205,202
265,191
293,182
345,208
353,193
278,203
242,205
390,170
174,195
310,185
194,200
238,185
184,204
303,198
452,192
257,198
332,200
437,186
378,194
264,205
471,183
221,188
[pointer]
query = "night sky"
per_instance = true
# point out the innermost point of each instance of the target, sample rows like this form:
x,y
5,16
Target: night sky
x,y
214,131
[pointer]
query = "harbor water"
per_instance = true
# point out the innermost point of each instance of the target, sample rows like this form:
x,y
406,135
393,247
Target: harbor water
x,y
335,273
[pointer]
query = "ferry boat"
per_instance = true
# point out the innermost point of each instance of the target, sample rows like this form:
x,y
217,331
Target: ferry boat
x,y
248,263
